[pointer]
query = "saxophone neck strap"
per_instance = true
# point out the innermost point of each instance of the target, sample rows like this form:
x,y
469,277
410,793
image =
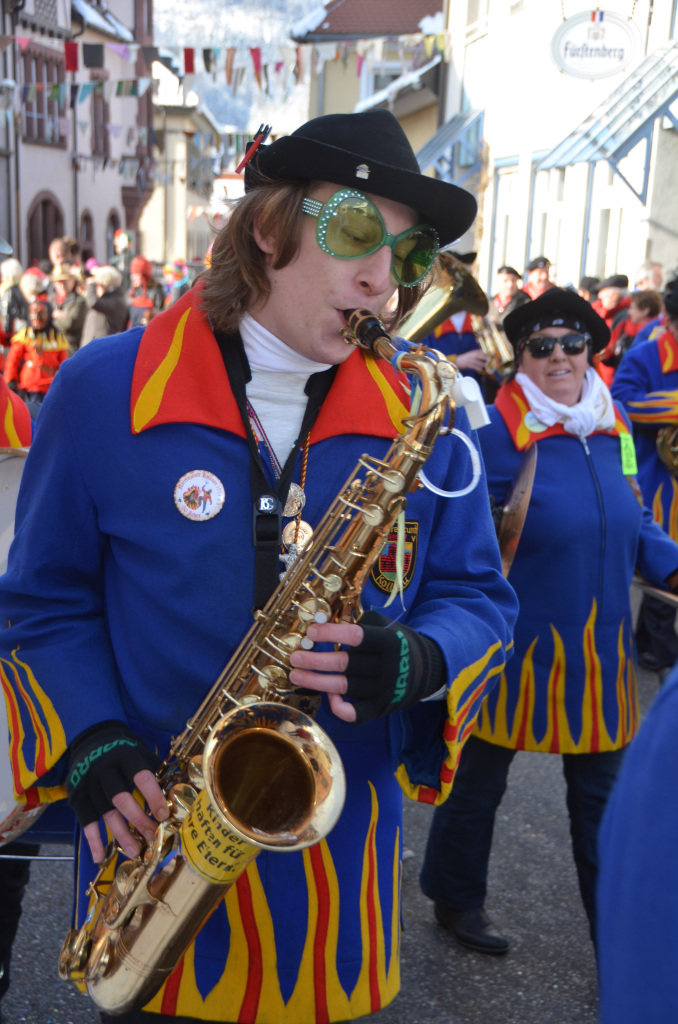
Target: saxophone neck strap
x,y
268,501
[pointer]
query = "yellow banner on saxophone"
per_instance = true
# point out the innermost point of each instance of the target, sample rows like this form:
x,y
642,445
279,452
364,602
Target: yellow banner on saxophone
x,y
214,852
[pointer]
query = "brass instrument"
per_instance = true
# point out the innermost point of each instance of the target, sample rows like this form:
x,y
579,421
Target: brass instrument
x,y
251,771
667,448
455,289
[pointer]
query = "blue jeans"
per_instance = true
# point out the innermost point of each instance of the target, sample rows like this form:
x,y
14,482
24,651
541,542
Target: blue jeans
x,y
459,843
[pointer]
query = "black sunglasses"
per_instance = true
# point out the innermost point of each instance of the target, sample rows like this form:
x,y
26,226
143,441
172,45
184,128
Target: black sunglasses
x,y
541,346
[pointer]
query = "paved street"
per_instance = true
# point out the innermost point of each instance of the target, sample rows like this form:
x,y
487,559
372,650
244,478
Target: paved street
x,y
548,976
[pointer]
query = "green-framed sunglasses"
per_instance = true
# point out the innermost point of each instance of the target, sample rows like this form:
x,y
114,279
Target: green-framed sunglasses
x,y
350,226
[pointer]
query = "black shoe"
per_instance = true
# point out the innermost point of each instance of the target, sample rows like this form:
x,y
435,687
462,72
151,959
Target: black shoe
x,y
473,929
648,661
656,663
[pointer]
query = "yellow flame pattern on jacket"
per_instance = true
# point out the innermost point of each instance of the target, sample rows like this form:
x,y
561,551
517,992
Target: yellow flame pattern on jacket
x,y
516,729
50,738
318,994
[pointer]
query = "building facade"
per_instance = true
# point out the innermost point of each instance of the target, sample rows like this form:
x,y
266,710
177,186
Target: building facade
x,y
579,170
75,142
177,223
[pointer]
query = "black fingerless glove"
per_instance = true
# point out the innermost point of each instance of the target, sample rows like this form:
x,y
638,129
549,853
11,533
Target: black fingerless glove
x,y
103,762
392,668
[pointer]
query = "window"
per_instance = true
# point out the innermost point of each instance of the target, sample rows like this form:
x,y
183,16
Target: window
x,y
100,119
42,72
603,239
86,236
200,178
45,222
477,12
112,225
378,76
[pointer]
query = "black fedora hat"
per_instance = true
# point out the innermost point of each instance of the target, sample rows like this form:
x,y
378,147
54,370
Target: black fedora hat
x,y
368,151
670,297
614,281
558,307
507,269
538,263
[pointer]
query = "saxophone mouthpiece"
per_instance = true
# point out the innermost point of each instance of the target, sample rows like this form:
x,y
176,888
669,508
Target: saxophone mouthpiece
x,y
364,329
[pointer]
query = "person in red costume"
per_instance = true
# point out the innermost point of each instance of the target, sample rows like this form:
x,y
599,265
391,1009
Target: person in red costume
x,y
645,307
538,277
35,353
146,294
613,298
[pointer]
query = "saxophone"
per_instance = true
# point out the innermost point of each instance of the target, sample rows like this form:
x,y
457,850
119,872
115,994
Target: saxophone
x,y
252,771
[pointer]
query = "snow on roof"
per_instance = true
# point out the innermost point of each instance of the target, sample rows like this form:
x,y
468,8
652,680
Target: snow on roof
x,y
309,23
101,20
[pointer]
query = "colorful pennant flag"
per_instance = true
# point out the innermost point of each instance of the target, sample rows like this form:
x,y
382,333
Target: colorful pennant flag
x,y
230,57
93,55
255,51
71,55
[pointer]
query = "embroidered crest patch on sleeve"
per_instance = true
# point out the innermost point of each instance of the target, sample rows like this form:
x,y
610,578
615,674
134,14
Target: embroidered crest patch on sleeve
x,y
385,568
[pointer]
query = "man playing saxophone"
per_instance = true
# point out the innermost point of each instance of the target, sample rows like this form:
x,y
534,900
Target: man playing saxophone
x,y
175,473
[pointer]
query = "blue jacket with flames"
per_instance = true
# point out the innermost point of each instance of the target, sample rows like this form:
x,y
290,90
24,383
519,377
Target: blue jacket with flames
x,y
646,382
118,606
571,686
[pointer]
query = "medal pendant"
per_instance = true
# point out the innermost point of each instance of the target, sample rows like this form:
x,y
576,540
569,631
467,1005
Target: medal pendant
x,y
296,499
298,533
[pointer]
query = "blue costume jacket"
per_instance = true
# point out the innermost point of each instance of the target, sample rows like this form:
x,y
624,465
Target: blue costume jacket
x,y
446,338
571,686
647,383
638,884
119,607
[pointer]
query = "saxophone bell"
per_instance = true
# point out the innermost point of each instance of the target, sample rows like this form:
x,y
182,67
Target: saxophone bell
x,y
455,290
271,780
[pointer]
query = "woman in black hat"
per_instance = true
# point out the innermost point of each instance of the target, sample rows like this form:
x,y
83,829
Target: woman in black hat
x,y
570,687
155,518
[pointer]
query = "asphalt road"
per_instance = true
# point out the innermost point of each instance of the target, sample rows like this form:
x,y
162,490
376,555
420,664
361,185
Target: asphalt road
x,y
548,977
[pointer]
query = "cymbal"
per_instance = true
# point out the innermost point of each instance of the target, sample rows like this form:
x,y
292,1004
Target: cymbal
x,y
515,510
663,595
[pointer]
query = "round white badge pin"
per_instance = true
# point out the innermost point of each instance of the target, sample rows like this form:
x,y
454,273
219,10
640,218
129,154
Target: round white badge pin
x,y
533,424
199,495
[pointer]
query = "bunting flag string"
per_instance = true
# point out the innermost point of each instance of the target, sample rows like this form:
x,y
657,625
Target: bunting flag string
x,y
77,93
183,59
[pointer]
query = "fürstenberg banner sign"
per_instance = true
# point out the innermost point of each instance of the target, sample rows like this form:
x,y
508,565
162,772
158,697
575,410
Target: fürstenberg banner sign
x,y
595,44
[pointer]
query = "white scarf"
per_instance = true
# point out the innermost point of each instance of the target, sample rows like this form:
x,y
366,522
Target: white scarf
x,y
594,410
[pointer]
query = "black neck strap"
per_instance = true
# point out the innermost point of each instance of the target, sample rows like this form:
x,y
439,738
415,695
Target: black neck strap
x,y
268,502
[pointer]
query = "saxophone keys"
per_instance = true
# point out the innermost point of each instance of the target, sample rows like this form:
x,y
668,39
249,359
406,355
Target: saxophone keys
x,y
195,773
290,642
306,609
373,515
74,955
332,583
393,481
181,799
276,677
